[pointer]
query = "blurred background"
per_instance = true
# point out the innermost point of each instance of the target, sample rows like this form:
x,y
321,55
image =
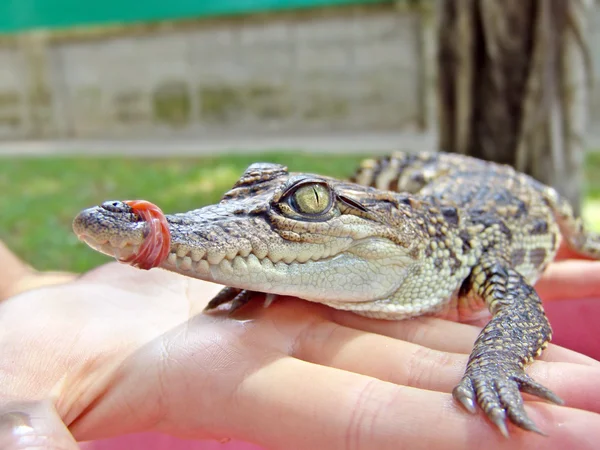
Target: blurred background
x,y
169,101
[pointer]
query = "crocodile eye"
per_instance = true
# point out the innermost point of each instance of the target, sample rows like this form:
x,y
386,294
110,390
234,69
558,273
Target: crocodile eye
x,y
311,198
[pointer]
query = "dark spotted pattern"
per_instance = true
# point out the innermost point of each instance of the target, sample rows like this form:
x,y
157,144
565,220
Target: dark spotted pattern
x,y
518,257
537,256
539,226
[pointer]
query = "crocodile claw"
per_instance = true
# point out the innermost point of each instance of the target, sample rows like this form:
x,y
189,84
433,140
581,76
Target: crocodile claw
x,y
498,395
235,297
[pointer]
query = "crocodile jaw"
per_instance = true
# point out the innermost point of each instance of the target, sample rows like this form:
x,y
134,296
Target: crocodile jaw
x,y
245,252
114,234
366,270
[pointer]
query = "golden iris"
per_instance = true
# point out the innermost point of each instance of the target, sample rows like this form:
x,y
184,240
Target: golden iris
x,y
312,199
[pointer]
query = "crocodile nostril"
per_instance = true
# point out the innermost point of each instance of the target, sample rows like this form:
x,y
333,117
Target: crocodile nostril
x,y
116,206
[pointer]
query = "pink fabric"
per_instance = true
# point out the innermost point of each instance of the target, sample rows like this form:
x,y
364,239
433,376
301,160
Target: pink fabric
x,y
576,325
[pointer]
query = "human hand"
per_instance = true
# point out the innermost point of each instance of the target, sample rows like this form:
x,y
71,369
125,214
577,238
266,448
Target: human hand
x,y
572,276
122,350
17,276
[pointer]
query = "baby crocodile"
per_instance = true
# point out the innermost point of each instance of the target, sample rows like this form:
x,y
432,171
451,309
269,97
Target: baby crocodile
x,y
431,233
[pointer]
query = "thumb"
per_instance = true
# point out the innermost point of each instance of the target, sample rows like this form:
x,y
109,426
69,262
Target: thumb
x,y
33,425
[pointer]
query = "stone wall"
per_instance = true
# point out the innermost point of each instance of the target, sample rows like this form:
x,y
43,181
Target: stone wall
x,y
341,69
14,111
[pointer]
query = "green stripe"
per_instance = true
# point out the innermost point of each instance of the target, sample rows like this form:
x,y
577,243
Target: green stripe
x,y
20,15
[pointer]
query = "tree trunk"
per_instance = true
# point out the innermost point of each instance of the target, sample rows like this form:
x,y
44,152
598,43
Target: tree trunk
x,y
513,87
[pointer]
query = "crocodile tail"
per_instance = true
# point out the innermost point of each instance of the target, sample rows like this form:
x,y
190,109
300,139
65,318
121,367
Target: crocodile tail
x,y
573,230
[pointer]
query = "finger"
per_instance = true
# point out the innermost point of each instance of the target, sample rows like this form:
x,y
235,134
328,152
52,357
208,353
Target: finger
x,y
434,333
564,427
27,425
394,360
570,279
409,364
130,278
427,331
346,410
556,353
197,385
13,269
566,252
154,281
391,358
430,332
576,384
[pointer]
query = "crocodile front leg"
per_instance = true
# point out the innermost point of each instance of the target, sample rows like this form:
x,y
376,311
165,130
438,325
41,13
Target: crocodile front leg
x,y
518,332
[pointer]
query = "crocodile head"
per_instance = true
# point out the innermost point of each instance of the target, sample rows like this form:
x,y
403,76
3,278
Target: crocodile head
x,y
279,232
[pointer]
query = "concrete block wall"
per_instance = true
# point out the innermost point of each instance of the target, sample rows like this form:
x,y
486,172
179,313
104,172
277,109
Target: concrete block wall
x,y
353,68
13,95
342,69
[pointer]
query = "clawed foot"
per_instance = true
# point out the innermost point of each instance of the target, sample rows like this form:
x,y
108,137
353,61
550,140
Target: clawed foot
x,y
497,391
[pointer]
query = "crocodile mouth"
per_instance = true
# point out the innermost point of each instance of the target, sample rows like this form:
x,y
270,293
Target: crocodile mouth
x,y
193,264
184,258
234,263
316,277
141,236
245,255
118,249
367,268
143,240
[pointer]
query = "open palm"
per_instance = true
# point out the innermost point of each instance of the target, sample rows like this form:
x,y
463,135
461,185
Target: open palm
x,y
122,350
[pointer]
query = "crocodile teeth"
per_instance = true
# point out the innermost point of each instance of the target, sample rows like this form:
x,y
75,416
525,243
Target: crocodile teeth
x,y
122,253
317,256
238,260
172,259
274,257
259,249
215,256
184,263
182,251
198,254
266,263
303,257
118,243
202,267
280,266
226,267
245,248
252,262
239,265
231,254
289,259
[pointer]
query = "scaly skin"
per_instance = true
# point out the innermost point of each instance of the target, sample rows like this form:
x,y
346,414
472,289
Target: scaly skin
x,y
463,238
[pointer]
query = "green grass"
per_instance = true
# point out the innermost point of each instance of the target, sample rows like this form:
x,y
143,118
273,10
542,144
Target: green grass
x,y
40,196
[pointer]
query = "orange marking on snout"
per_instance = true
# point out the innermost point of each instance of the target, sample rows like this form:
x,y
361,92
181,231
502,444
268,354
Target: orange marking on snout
x,y
156,246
